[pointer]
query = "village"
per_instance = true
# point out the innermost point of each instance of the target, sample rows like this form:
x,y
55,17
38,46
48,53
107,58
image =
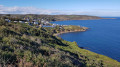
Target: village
x,y
35,22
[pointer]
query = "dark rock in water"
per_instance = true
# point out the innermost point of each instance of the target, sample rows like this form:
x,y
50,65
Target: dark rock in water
x,y
82,47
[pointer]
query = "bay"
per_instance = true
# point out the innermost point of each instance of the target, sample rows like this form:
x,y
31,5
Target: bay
x,y
102,37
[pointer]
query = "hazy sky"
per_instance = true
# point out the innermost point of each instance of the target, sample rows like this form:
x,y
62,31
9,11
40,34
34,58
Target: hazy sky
x,y
80,7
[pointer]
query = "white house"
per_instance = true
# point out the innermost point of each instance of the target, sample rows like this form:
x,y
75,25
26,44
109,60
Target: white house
x,y
7,20
47,22
42,21
36,23
15,21
26,22
34,20
21,22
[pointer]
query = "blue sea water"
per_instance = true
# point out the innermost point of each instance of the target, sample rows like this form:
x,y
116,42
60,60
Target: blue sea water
x,y
102,37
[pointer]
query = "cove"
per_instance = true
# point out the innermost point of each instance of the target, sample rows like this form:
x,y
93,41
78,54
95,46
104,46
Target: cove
x,y
102,37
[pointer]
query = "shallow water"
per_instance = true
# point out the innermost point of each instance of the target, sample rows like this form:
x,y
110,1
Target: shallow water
x,y
103,37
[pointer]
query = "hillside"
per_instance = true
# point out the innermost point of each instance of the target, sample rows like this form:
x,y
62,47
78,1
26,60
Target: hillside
x,y
52,17
75,17
22,45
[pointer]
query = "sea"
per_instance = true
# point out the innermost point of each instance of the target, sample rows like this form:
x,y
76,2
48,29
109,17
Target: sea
x,y
102,37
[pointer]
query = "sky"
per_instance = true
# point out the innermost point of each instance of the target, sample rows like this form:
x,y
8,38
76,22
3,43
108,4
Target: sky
x,y
68,7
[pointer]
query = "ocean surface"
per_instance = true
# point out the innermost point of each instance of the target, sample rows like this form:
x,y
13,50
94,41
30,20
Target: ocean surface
x,y
102,37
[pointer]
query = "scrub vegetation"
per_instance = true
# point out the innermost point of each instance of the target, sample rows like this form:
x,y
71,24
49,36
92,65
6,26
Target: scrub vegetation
x,y
22,45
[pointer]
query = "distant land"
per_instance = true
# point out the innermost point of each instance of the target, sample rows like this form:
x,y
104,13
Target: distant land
x,y
74,17
56,17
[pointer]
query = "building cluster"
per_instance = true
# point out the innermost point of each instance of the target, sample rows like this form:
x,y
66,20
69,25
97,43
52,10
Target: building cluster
x,y
38,23
33,22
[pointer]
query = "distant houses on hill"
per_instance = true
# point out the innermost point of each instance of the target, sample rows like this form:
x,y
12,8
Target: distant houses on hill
x,y
35,22
38,22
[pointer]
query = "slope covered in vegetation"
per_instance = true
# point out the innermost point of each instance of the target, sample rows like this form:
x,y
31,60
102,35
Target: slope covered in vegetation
x,y
50,17
27,46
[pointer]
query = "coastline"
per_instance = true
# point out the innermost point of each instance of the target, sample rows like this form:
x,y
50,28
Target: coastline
x,y
42,45
85,28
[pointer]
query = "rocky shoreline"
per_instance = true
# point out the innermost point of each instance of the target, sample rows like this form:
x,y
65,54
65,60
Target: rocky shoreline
x,y
84,29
